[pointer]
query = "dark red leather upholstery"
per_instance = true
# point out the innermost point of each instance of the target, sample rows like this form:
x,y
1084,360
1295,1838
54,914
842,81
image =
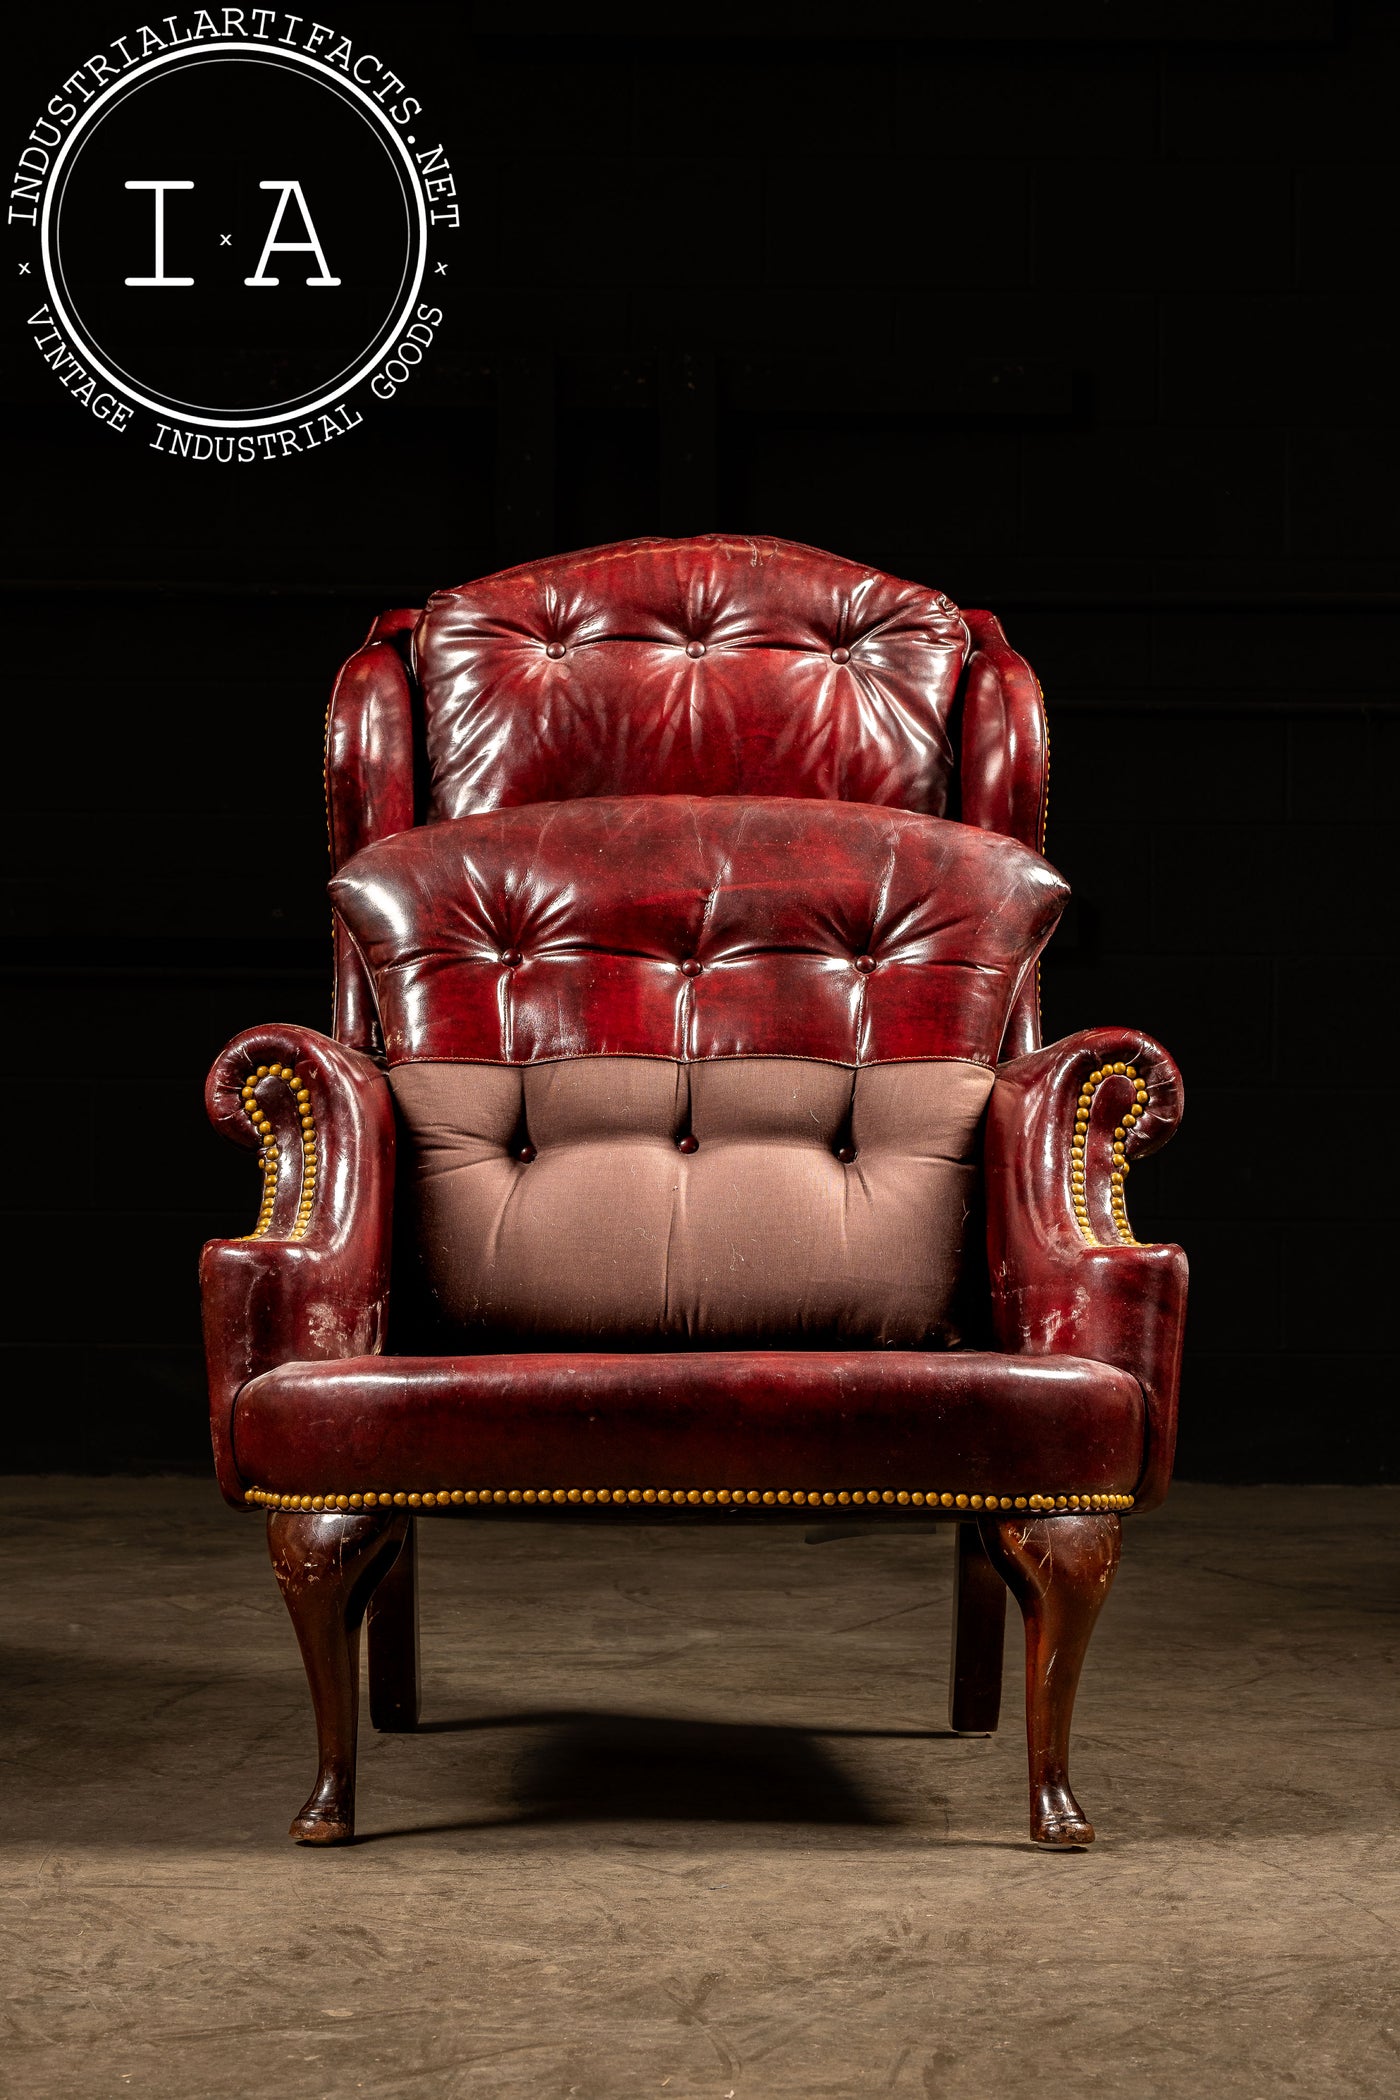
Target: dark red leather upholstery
x,y
1062,1286
678,926
1004,771
901,1420
293,1292
370,780
713,666
1004,755
704,666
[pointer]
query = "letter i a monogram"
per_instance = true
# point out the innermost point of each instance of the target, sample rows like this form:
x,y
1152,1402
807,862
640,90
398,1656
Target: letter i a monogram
x,y
272,245
160,189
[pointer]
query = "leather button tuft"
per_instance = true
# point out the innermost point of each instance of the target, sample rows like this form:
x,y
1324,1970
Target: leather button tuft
x,y
512,958
555,649
688,1145
525,1155
690,967
840,656
865,964
695,648
846,1155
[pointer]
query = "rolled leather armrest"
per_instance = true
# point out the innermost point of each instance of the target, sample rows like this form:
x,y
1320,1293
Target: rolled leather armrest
x,y
311,1280
1068,1275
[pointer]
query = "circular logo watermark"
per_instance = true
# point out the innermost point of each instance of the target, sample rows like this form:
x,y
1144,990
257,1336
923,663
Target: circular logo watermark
x,y
230,223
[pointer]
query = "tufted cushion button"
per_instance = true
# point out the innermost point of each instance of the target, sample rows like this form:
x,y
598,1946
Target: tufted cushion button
x,y
695,648
688,1145
525,1155
512,958
865,964
554,649
690,967
840,656
846,1155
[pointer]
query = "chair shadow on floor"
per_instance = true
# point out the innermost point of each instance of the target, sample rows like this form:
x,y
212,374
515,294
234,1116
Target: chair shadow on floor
x,y
577,1766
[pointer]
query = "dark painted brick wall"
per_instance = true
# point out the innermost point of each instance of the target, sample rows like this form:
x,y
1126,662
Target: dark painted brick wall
x,y
1185,510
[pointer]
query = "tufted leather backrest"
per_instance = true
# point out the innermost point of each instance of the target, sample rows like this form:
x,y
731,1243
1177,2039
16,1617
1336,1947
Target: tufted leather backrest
x,y
711,666
694,927
701,1068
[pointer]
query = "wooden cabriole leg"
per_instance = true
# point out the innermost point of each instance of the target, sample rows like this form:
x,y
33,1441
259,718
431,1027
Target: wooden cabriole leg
x,y
393,1642
1059,1570
979,1634
328,1566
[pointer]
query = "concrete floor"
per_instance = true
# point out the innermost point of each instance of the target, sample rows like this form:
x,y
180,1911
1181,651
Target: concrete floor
x,y
682,1823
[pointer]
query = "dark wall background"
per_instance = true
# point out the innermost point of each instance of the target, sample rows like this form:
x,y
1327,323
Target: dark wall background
x,y
1095,333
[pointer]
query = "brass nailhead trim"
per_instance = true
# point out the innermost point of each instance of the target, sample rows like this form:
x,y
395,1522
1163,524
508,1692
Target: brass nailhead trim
x,y
727,1498
269,1154
1119,1174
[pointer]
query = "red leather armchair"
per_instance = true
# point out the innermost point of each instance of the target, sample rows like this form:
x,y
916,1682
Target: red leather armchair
x,y
688,899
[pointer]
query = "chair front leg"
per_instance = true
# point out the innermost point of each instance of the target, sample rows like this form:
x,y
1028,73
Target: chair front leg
x,y
328,1566
1059,1570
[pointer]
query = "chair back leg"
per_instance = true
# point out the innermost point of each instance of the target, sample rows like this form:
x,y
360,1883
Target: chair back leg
x,y
1059,1570
392,1629
328,1565
979,1636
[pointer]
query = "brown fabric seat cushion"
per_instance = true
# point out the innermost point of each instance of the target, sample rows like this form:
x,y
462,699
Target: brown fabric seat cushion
x,y
769,1200
768,1421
